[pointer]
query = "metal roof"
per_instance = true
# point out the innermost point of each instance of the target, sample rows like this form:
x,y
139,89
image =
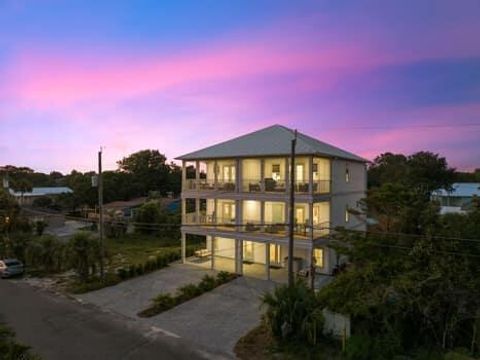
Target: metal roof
x,y
43,191
460,190
271,141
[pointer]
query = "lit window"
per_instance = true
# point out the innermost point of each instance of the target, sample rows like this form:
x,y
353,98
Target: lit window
x,y
276,172
347,175
318,256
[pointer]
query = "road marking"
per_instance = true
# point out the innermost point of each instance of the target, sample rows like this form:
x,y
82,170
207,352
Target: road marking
x,y
164,332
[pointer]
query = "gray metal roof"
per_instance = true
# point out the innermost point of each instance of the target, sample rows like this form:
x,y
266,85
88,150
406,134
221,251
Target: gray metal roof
x,y
271,141
43,191
461,190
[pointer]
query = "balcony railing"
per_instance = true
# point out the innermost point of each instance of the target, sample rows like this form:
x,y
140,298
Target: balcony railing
x,y
252,185
256,186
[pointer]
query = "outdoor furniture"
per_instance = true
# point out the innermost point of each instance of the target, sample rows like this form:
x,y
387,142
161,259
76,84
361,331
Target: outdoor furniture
x,y
255,187
251,227
229,186
305,272
202,253
270,184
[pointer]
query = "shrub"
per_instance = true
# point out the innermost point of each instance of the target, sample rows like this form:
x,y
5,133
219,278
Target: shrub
x,y
187,292
94,283
122,273
224,277
131,271
161,303
293,313
208,283
139,270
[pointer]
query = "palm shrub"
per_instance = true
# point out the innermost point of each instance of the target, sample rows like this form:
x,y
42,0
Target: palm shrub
x,y
47,253
293,313
84,254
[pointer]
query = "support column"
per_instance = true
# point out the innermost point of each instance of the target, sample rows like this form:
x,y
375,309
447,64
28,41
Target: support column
x,y
215,215
238,176
184,211
262,213
197,211
239,215
310,220
239,256
310,177
215,174
184,175
197,174
287,177
267,260
262,175
213,252
184,247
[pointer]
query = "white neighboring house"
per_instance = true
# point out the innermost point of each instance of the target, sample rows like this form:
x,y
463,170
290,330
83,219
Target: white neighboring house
x,y
27,198
235,202
458,199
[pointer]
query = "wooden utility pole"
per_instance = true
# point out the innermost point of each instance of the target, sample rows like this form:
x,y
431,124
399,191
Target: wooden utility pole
x,y
100,216
291,211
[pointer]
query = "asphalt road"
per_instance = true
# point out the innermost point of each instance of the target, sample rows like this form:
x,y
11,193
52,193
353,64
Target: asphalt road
x,y
59,328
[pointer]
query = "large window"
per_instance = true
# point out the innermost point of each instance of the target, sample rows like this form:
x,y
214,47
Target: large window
x,y
318,256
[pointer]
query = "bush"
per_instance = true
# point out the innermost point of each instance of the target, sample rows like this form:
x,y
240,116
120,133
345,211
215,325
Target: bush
x,y
188,292
293,313
122,273
10,349
94,283
224,277
165,302
208,283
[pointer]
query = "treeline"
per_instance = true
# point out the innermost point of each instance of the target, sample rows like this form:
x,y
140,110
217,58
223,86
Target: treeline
x,y
137,175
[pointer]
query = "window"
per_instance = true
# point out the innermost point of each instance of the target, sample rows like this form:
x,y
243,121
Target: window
x,y
229,173
275,254
276,172
347,174
299,173
347,215
318,257
248,250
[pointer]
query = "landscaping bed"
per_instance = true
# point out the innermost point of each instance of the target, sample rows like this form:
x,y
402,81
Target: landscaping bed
x,y
164,302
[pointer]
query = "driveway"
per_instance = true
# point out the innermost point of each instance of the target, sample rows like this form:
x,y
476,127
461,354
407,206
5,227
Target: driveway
x,y
57,328
213,321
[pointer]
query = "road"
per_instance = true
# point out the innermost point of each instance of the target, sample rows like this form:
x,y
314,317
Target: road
x,y
59,328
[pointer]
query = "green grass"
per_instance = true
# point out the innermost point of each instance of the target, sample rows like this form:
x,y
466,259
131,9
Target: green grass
x,y
134,249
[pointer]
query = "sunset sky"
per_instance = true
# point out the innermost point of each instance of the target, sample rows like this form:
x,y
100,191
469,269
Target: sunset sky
x,y
367,76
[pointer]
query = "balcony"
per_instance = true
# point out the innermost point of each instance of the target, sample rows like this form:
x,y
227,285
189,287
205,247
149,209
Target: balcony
x,y
209,185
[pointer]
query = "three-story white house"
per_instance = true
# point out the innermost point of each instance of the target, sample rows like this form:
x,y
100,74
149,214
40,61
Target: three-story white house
x,y
235,203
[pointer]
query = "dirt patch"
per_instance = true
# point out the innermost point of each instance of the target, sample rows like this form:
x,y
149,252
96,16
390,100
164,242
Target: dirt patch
x,y
255,345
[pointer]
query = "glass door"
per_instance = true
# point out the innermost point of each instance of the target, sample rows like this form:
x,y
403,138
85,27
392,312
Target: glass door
x,y
275,254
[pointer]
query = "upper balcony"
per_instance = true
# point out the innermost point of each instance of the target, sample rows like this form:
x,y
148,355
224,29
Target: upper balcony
x,y
265,175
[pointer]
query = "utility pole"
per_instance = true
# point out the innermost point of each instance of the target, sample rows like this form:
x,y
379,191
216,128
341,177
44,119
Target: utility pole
x,y
291,211
100,216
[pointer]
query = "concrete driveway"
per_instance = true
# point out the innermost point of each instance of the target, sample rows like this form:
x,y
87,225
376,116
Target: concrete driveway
x,y
213,321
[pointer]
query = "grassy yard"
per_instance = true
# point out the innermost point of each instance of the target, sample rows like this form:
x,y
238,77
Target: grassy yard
x,y
133,249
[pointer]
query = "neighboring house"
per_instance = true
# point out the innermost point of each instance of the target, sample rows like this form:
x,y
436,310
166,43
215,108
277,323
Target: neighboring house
x,y
27,198
237,204
458,199
125,209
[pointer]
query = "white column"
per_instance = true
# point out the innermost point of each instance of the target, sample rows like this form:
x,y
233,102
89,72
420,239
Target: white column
x,y
287,175
215,174
310,219
197,174
262,175
239,256
239,215
310,175
267,260
184,175
197,210
213,252
238,176
184,247
184,211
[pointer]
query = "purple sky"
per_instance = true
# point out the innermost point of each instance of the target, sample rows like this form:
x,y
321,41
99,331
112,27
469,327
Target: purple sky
x,y
367,76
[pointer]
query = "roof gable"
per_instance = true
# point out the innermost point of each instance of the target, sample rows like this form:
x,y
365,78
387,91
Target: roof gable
x,y
271,141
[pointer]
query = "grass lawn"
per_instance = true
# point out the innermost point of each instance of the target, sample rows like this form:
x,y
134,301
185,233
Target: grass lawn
x,y
133,249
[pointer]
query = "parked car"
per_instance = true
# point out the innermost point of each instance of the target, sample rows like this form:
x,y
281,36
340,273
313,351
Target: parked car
x,y
11,267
